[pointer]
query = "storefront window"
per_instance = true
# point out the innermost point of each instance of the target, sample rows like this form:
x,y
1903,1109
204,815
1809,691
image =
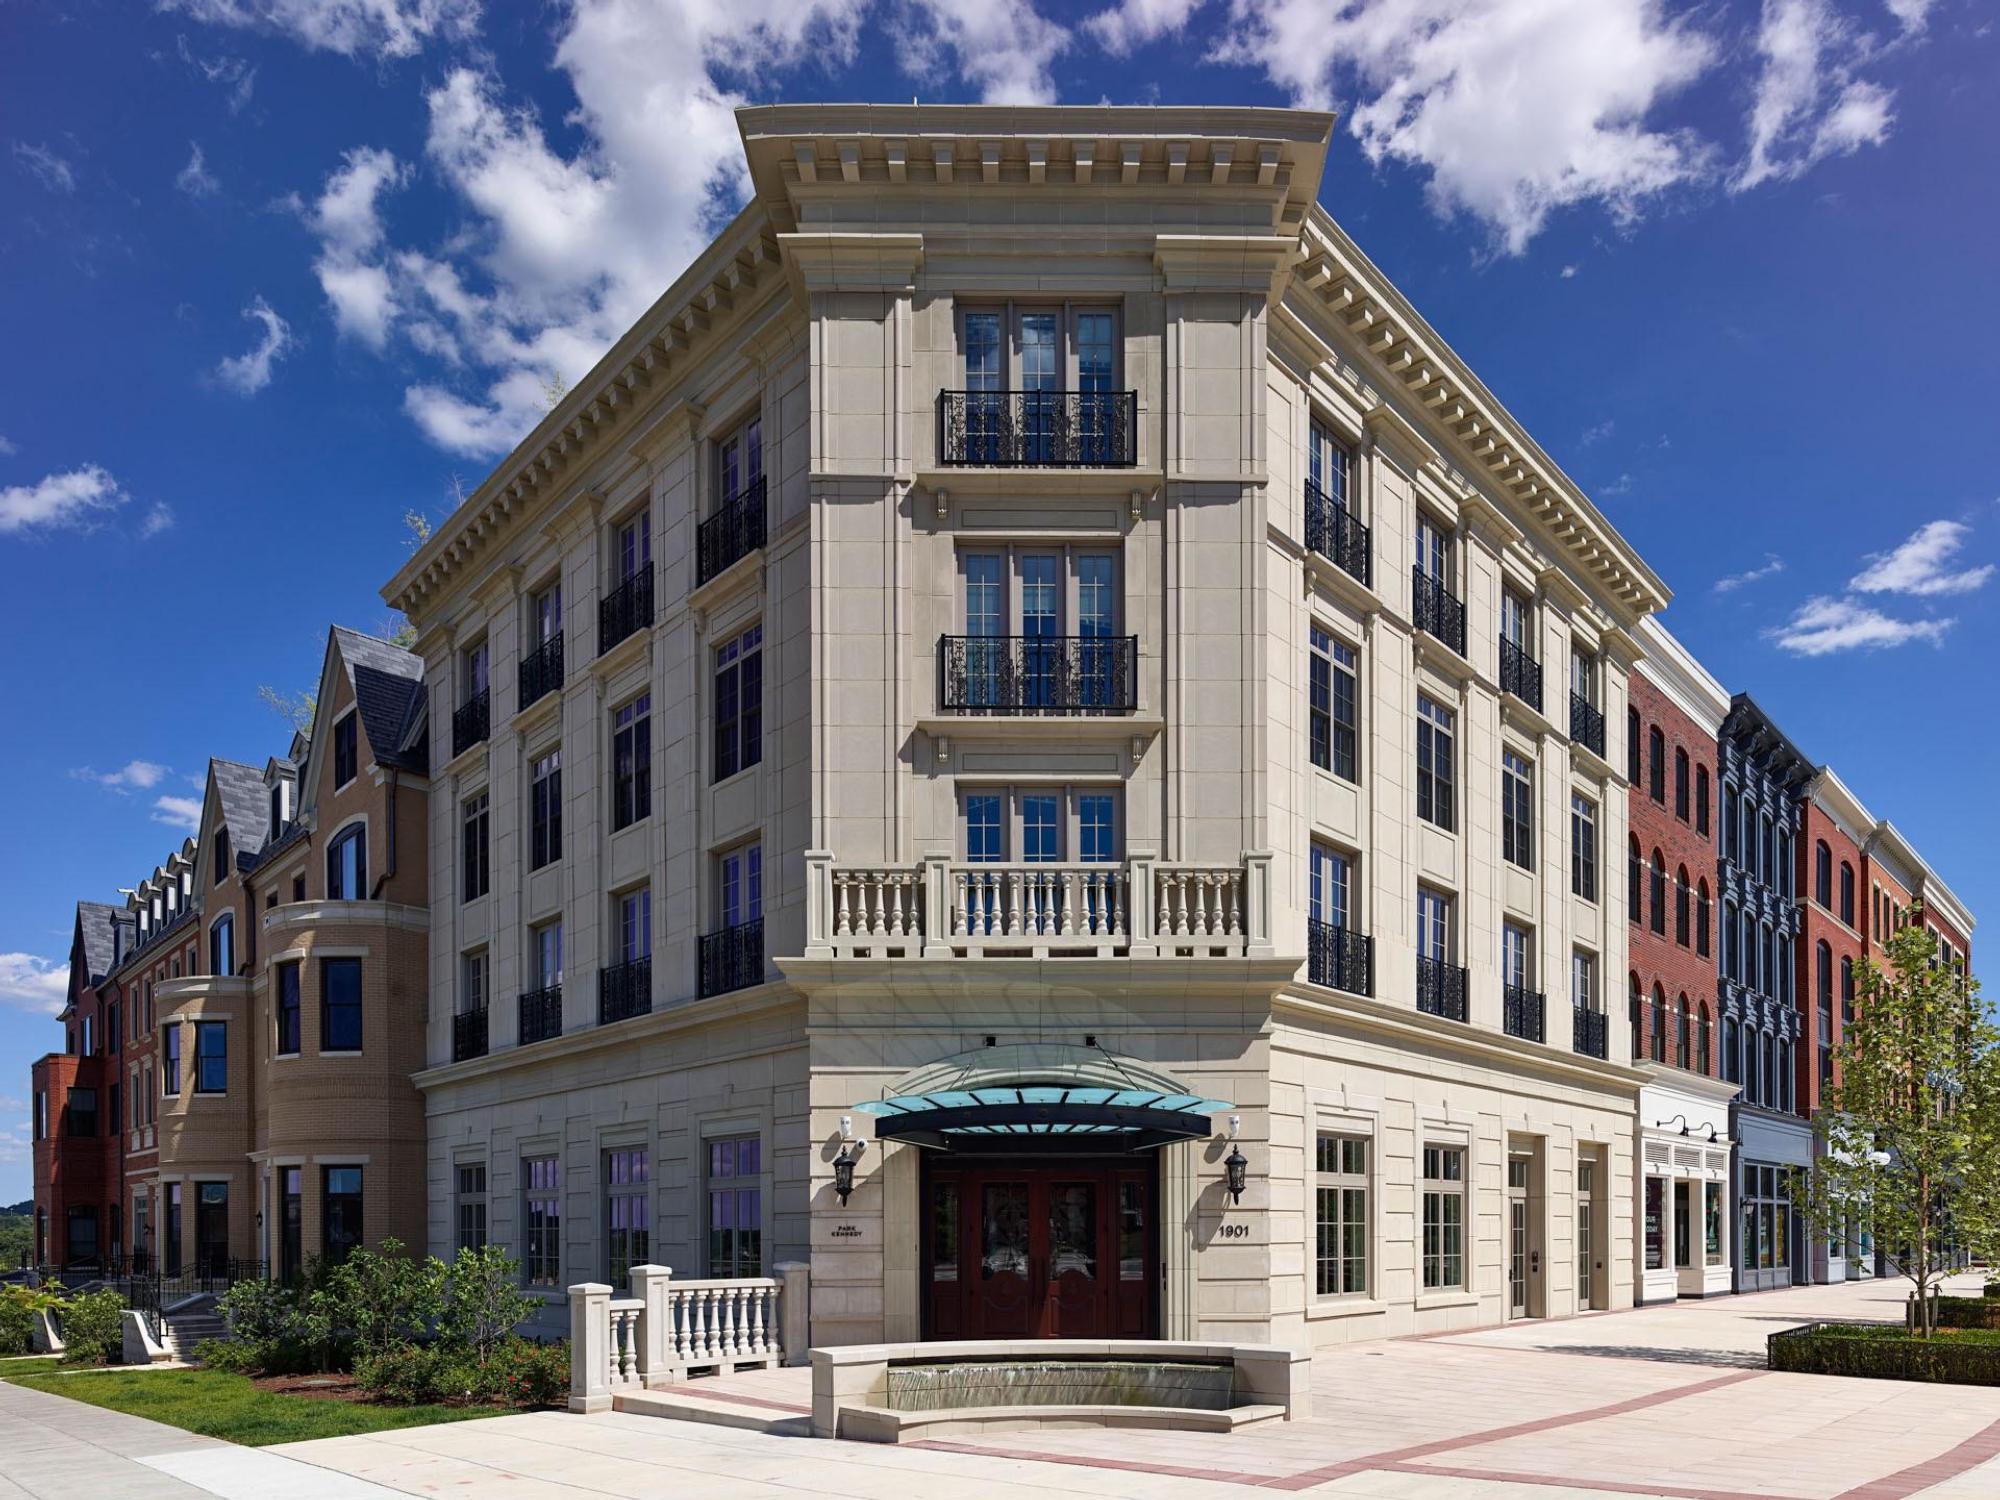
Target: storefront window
x,y
1656,1234
1713,1221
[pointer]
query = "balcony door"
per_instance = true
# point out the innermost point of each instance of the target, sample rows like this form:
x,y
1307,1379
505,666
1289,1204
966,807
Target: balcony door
x,y
211,1228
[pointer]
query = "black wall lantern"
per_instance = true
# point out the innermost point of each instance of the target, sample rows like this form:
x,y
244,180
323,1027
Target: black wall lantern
x,y
1236,1164
844,1164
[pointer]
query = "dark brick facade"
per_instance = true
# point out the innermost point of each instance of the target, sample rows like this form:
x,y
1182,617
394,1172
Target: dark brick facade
x,y
1833,901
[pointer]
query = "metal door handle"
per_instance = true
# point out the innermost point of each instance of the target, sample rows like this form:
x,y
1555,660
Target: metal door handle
x,y
1534,1260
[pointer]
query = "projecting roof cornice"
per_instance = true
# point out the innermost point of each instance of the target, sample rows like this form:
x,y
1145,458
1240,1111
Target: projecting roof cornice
x,y
1478,432
678,330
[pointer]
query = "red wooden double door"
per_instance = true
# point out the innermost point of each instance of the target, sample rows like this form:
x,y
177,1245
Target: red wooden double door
x,y
1062,1248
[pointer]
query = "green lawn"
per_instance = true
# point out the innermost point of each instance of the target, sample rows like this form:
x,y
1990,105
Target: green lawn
x,y
33,1364
230,1407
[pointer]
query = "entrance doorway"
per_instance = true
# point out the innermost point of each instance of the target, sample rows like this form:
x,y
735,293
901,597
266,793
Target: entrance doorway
x,y
1523,1259
211,1228
1586,1231
1040,1249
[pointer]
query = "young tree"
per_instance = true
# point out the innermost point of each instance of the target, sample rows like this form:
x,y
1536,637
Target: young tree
x,y
1913,1121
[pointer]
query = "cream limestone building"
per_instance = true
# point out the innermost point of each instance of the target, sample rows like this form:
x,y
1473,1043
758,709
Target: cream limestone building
x,y
1032,687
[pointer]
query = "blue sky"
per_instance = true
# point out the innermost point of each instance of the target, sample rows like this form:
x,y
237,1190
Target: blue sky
x,y
278,271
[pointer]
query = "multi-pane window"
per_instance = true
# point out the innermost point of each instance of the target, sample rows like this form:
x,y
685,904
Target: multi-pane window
x,y
475,677
347,865
1701,800
1632,770
545,622
1517,810
1434,761
1333,679
1340,1191
632,762
1433,550
1847,893
340,1005
340,1213
1328,464
545,810
346,751
1656,765
1330,898
1701,920
1683,900
635,925
470,1204
739,702
1514,621
1041,825
740,884
291,1224
1582,979
1047,344
1444,1217
1658,903
472,982
170,1058
475,875
1516,956
221,950
211,1058
1823,874
1682,790
1433,925
735,1206
1582,846
739,460
547,944
627,1211
635,546
541,1221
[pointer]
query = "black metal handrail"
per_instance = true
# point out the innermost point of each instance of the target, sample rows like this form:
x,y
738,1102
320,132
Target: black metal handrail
x,y
1520,674
468,1034
1437,609
1591,1033
150,1294
1038,429
1038,674
735,530
1586,723
624,990
626,609
1521,1012
1440,988
1340,958
541,671
1332,531
732,958
470,721
541,1014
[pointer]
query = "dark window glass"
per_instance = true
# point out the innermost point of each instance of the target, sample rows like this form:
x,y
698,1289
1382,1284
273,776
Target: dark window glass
x,y
170,1058
476,874
82,1112
632,762
341,1210
1434,762
1333,694
340,1005
739,702
288,1008
735,1207
1681,791
1656,749
211,1058
346,760
545,811
347,865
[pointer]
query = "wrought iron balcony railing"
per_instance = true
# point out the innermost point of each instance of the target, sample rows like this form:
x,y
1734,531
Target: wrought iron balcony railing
x,y
468,1034
1038,429
1521,1012
735,530
1340,958
1586,724
1038,674
470,721
1333,532
1591,1032
624,990
541,671
732,958
1440,988
1520,674
1438,610
541,1014
626,609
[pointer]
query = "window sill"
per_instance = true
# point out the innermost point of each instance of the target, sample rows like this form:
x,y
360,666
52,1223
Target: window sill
x,y
736,775
340,1052
1432,1301
1345,1307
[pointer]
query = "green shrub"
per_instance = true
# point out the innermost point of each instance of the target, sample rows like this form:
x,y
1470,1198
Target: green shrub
x,y
289,1330
482,1300
93,1325
233,1355
526,1373
19,1306
423,1375
383,1298
1968,1312
1887,1351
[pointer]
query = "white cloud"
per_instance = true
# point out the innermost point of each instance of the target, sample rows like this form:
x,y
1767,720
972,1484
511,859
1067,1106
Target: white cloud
x,y
1919,565
1133,23
159,516
347,218
1002,47
234,74
195,179
375,28
7,448
249,372
134,775
1598,433
1807,104
1913,15
1772,565
1568,272
1514,108
75,500
51,170
1825,625
178,812
33,984
1622,485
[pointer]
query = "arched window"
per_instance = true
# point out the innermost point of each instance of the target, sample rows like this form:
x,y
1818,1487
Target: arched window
x,y
1659,903
1632,866
1847,893
1680,783
1732,950
1638,1018
1701,1037
1632,745
1683,1041
1701,800
1765,849
1732,1050
1846,995
1659,1024
1766,983
1681,903
347,865
1823,987
1701,920
222,946
1656,753
1823,875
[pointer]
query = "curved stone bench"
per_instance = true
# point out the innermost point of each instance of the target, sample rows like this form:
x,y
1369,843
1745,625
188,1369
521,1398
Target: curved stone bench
x,y
852,1397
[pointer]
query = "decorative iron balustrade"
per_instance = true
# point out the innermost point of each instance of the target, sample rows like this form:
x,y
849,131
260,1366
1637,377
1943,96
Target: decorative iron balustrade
x,y
624,990
1340,958
1520,674
1038,429
468,1034
1438,611
1521,1012
1591,1033
470,721
626,609
149,1292
1440,988
737,529
1586,724
1333,532
1038,674
541,671
541,1014
732,958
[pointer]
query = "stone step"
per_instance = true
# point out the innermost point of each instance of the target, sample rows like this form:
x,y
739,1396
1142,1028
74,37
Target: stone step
x,y
680,1405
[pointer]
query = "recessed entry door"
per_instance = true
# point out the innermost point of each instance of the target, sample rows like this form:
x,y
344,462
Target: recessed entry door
x,y
1522,1260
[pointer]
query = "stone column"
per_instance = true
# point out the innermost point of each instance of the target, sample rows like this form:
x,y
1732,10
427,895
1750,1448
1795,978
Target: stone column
x,y
795,1308
651,1285
590,1347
